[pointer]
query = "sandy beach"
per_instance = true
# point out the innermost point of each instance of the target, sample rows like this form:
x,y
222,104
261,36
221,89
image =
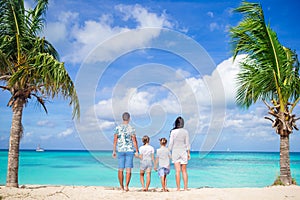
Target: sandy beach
x,y
97,192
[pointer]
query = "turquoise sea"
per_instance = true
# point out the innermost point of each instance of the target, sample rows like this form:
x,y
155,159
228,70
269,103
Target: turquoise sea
x,y
215,169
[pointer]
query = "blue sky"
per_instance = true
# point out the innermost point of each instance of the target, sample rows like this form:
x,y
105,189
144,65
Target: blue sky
x,y
157,60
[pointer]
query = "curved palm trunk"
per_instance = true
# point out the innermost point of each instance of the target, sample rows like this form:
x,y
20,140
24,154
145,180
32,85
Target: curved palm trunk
x,y
285,172
14,143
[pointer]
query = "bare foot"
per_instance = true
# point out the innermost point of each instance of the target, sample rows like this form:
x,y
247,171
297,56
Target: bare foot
x,y
126,189
166,190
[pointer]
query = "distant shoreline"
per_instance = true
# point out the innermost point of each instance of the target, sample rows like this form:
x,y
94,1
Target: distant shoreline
x,y
83,150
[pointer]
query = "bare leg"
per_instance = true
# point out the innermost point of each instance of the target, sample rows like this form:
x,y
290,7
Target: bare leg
x,y
142,178
121,178
148,180
128,177
177,176
163,182
184,176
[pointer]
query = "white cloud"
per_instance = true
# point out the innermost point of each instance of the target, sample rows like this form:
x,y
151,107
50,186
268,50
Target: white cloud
x,y
249,119
183,73
250,124
229,11
80,39
46,123
191,96
143,17
105,124
228,71
45,137
261,135
214,26
27,137
58,31
139,102
210,14
65,133
188,95
28,134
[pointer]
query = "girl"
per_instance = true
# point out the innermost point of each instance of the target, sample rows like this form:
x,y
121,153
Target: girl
x,y
163,160
147,158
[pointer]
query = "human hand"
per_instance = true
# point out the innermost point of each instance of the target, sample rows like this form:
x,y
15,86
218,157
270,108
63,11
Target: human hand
x,y
136,154
114,154
189,156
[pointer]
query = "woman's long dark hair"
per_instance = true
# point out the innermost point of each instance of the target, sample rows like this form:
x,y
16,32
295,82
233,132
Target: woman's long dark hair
x,y
179,123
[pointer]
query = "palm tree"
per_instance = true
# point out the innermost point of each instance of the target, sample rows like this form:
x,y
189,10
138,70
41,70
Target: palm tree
x,y
270,72
29,68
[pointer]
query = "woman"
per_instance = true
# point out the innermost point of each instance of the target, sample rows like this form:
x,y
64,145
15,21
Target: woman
x,y
180,147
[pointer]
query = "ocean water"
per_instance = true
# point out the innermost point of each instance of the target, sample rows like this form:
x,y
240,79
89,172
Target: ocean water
x,y
215,169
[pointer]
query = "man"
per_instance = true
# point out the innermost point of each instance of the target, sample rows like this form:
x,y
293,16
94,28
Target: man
x,y
125,142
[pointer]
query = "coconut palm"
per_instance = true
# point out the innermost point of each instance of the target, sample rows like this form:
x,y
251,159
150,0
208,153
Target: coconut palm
x,y
29,68
270,72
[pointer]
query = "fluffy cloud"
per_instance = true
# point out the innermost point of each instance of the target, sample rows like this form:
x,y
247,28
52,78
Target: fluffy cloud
x,y
58,31
46,123
185,94
228,71
210,14
83,38
143,17
214,26
65,133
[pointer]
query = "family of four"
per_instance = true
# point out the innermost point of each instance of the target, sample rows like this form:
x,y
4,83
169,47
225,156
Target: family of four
x,y
126,147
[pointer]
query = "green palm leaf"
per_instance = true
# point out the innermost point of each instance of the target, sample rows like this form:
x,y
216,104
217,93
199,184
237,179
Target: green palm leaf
x,y
31,61
267,72
29,67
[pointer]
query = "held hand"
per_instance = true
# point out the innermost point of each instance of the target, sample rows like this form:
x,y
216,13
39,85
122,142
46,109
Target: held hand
x,y
114,155
136,154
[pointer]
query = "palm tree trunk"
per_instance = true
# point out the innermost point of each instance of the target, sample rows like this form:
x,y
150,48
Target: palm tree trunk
x,y
14,144
285,172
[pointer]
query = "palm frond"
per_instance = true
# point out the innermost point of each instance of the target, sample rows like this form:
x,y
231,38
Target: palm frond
x,y
41,101
269,69
41,45
36,17
49,77
253,84
4,64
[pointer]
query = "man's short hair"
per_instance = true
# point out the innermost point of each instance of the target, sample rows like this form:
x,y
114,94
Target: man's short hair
x,y
126,116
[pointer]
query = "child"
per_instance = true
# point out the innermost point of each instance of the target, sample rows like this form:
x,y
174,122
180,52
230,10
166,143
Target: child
x,y
163,160
147,158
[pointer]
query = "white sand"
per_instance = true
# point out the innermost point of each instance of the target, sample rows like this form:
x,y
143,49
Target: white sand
x,y
96,192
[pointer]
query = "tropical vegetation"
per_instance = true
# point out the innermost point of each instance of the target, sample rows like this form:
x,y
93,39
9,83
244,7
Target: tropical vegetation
x,y
269,73
29,69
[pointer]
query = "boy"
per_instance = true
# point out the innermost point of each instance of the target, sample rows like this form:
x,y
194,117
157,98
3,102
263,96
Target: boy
x,y
163,160
147,158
